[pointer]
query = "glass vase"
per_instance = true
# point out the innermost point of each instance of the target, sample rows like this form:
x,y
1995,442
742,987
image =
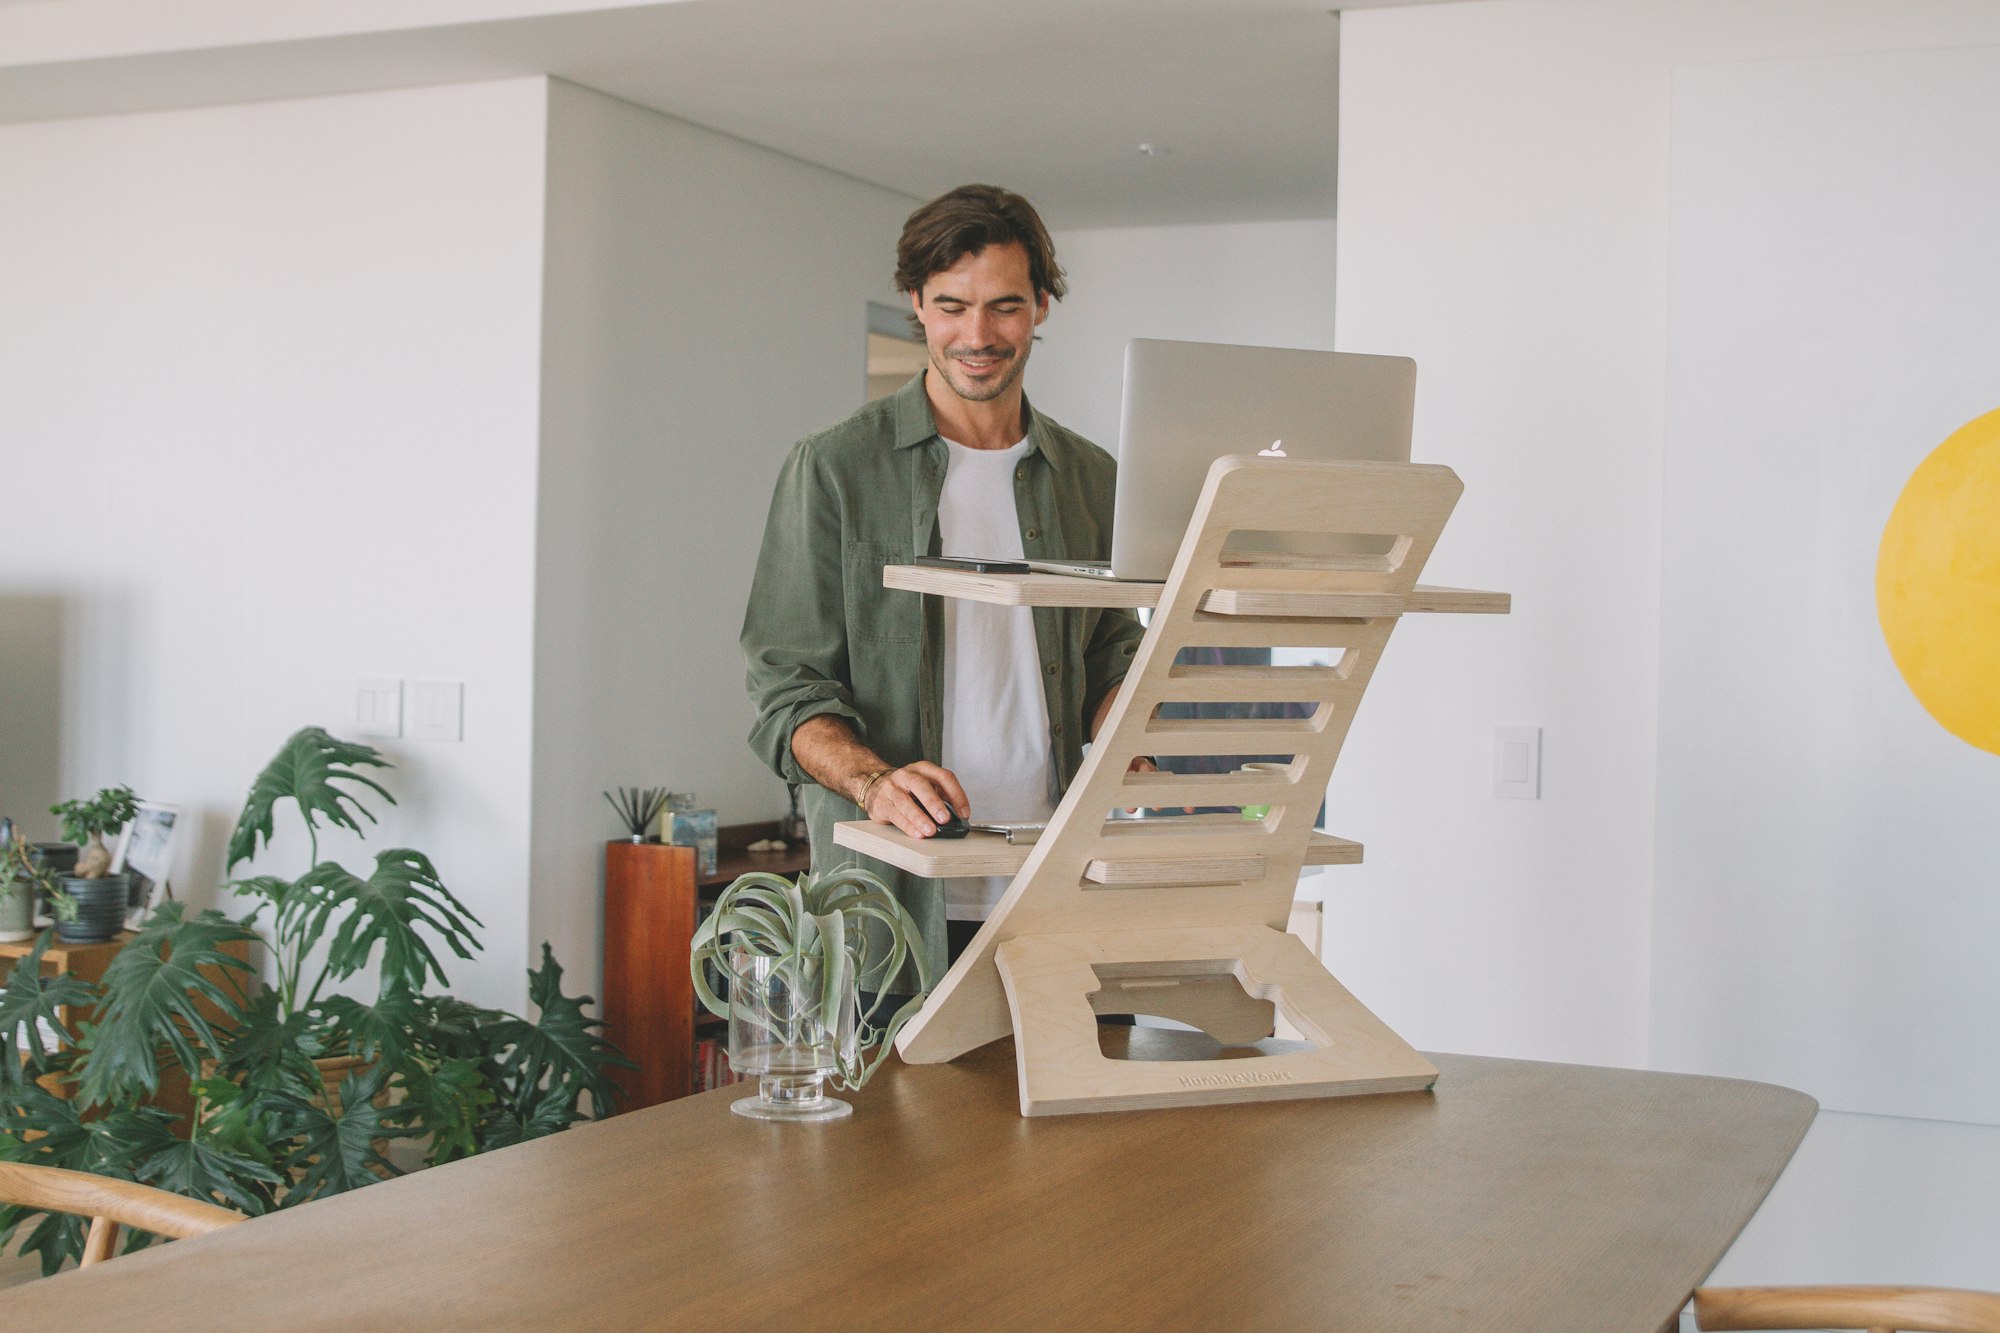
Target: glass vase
x,y
779,1035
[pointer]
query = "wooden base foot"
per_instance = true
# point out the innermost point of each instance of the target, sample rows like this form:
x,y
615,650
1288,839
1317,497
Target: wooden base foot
x,y
1230,975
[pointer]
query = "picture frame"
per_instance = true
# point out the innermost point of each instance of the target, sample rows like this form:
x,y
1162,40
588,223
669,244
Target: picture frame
x,y
146,849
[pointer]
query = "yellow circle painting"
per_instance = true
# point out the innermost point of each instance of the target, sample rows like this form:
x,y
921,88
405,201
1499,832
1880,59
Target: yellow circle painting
x,y
1937,583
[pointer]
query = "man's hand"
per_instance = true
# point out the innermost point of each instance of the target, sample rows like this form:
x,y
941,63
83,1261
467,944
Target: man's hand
x,y
916,798
1144,764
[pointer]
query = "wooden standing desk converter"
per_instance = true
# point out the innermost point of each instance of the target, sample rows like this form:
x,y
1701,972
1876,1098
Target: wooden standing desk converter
x,y
1185,918
1519,1196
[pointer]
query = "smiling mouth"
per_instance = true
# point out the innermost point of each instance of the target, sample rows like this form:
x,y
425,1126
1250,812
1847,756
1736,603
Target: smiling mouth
x,y
979,362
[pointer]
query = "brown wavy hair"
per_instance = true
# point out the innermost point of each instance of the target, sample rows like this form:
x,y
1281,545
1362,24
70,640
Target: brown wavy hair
x,y
966,221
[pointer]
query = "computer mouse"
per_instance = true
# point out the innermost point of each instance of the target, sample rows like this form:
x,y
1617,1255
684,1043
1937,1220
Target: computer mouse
x,y
954,827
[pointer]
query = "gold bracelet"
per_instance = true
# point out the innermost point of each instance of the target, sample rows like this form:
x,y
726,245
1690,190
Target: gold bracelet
x,y
868,786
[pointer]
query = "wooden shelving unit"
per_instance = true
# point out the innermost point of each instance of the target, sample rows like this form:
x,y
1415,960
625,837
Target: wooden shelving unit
x,y
89,963
733,857
84,961
649,914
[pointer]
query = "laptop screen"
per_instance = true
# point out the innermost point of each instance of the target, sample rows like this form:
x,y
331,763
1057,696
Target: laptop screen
x,y
1188,404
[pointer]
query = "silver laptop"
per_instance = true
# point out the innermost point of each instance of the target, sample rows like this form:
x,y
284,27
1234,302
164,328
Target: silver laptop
x,y
1188,404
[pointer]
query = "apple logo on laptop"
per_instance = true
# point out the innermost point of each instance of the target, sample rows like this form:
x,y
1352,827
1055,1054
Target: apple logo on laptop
x,y
1277,450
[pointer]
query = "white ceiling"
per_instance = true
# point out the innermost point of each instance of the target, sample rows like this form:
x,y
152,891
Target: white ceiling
x,y
1050,97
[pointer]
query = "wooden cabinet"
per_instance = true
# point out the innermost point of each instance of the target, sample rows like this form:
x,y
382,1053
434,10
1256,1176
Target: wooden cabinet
x,y
84,961
649,913
652,898
89,963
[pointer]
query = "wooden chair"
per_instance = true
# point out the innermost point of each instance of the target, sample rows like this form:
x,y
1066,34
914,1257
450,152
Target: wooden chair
x,y
110,1205
1877,1309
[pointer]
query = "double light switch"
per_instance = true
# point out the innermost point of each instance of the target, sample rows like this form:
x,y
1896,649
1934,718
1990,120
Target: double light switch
x,y
436,708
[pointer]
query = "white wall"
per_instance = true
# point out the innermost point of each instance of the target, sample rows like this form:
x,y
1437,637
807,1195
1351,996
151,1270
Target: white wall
x,y
706,306
1265,283
1828,904
1503,218
1877,1199
267,424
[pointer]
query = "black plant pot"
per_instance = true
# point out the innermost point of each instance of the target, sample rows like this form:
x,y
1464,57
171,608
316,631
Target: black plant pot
x,y
57,856
100,908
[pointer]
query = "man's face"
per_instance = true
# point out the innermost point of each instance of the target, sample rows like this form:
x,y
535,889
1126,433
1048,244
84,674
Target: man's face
x,y
979,319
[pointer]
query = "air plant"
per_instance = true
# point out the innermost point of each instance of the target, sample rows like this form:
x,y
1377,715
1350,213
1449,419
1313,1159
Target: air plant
x,y
829,935
637,808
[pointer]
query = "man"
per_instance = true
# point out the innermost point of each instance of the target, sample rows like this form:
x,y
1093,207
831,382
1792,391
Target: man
x,y
908,709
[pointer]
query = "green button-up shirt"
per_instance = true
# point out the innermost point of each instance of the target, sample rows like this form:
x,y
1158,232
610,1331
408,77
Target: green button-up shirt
x,y
822,635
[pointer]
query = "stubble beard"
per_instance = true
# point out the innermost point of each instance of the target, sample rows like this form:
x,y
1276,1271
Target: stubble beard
x,y
974,391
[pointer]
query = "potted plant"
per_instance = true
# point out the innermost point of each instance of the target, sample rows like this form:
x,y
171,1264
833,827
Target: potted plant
x,y
23,878
795,957
98,896
264,1131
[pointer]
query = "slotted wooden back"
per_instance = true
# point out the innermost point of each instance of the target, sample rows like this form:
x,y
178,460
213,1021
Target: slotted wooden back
x,y
1087,876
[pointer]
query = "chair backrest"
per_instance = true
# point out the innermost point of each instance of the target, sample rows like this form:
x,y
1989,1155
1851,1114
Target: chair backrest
x,y
1877,1309
110,1205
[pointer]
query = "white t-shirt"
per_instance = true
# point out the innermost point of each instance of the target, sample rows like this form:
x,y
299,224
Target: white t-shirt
x,y
996,716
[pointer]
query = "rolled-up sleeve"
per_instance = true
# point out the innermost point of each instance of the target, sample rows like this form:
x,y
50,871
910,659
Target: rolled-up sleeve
x,y
1107,656
794,629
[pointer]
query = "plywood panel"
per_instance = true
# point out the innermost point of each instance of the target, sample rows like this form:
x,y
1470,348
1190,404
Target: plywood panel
x,y
1096,913
1066,590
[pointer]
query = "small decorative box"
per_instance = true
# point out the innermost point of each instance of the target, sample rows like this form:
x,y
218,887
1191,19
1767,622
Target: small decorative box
x,y
696,829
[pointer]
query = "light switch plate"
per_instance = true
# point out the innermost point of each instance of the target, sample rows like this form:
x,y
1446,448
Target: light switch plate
x,y
1517,763
437,710
378,706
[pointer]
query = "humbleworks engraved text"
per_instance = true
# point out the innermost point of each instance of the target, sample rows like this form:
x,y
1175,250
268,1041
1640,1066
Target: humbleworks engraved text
x,y
1235,1080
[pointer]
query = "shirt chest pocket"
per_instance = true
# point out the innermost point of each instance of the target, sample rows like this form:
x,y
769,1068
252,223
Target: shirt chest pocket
x,y
876,614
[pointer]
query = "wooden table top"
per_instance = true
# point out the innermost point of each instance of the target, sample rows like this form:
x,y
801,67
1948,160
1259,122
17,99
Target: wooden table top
x,y
1518,1195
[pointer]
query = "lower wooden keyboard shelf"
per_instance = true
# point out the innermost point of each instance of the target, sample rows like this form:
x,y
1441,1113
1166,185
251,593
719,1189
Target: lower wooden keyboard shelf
x,y
1180,861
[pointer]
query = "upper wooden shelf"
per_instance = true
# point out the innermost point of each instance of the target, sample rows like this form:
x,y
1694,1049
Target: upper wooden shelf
x,y
1179,859
1069,590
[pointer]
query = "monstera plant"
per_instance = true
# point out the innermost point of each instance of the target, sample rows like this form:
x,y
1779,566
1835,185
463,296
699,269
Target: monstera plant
x,y
293,1089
